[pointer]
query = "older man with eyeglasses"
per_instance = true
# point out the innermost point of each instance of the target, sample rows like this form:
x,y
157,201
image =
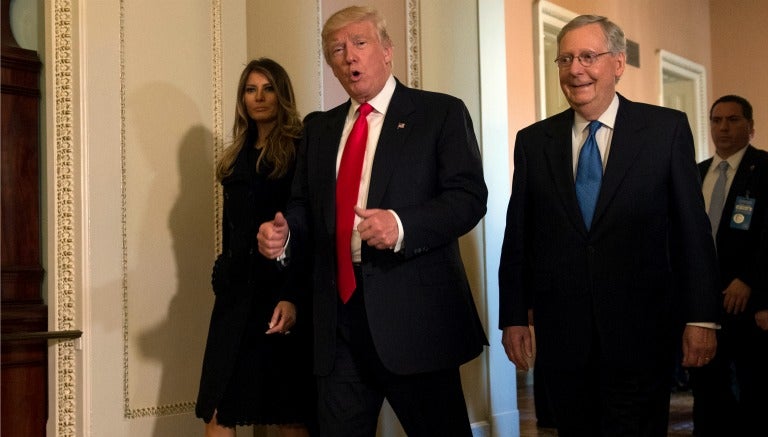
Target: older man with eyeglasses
x,y
607,248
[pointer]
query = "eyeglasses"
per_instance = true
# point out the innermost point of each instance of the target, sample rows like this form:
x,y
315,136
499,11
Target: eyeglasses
x,y
586,59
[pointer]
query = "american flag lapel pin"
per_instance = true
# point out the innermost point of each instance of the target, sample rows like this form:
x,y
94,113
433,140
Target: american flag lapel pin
x,y
401,125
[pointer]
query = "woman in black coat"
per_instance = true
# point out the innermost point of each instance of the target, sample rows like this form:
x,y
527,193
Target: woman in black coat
x,y
257,364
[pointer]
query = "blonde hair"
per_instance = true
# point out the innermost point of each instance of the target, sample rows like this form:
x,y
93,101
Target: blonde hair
x,y
279,150
354,14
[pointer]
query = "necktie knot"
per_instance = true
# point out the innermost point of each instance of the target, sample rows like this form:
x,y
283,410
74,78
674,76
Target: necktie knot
x,y
723,166
365,109
594,125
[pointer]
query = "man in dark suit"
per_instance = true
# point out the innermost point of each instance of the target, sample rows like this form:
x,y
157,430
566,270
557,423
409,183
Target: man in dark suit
x,y
410,321
608,245
735,188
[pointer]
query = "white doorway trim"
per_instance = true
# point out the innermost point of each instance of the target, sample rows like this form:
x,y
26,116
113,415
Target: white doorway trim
x,y
674,65
549,19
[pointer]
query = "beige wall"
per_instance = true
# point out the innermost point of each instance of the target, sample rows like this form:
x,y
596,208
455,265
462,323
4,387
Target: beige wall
x,y
739,59
520,66
288,35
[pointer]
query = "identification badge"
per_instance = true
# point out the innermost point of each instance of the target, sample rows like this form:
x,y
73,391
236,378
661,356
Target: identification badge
x,y
742,213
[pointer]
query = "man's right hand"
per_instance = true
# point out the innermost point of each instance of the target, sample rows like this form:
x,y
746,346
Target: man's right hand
x,y
272,237
518,345
761,318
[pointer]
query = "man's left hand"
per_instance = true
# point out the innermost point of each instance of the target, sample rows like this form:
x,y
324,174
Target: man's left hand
x,y
736,296
378,228
283,318
699,346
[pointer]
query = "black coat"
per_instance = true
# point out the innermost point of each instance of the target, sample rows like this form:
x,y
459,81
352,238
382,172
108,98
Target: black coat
x,y
247,285
743,254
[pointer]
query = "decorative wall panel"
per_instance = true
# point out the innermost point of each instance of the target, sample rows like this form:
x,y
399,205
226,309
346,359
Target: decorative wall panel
x,y
171,131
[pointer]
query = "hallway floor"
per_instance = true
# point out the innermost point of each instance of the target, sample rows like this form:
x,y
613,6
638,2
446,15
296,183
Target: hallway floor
x,y
680,422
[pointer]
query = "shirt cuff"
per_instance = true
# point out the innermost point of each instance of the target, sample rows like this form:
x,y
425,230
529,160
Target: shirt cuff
x,y
282,259
400,234
708,325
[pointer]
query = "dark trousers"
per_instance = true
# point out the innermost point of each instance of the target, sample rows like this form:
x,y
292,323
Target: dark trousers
x,y
350,398
600,400
541,404
729,393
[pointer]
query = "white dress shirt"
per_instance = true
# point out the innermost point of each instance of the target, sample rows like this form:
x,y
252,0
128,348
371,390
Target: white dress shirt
x,y
708,185
603,135
380,103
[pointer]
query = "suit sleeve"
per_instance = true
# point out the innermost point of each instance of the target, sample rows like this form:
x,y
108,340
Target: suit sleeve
x,y
298,266
757,272
760,289
692,249
458,199
513,299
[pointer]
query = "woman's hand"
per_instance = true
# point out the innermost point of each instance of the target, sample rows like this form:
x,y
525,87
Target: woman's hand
x,y
283,318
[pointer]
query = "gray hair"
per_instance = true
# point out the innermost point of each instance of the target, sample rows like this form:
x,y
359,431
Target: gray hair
x,y
617,43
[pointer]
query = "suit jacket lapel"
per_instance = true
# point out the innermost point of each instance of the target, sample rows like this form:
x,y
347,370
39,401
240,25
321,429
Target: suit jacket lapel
x,y
395,129
558,150
330,137
625,145
739,185
704,168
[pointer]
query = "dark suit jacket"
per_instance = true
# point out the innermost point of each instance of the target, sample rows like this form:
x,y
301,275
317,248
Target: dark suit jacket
x,y
427,168
743,254
647,260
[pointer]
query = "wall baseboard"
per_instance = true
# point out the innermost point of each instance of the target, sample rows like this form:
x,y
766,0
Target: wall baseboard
x,y
481,429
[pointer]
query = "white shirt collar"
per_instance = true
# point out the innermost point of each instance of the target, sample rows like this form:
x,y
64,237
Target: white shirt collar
x,y
607,118
381,101
733,160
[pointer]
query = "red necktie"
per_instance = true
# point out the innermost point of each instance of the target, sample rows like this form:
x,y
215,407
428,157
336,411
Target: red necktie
x,y
347,188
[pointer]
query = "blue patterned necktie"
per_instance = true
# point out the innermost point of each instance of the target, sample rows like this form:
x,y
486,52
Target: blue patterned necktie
x,y
589,175
717,200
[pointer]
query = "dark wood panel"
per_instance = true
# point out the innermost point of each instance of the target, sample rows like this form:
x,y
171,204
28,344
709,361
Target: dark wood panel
x,y
20,172
24,388
23,362
24,393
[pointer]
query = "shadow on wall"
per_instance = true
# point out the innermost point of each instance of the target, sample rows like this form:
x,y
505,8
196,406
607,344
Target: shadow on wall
x,y
170,213
176,344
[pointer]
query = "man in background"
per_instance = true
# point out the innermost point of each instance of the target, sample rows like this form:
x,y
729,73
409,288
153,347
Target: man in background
x,y
735,188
